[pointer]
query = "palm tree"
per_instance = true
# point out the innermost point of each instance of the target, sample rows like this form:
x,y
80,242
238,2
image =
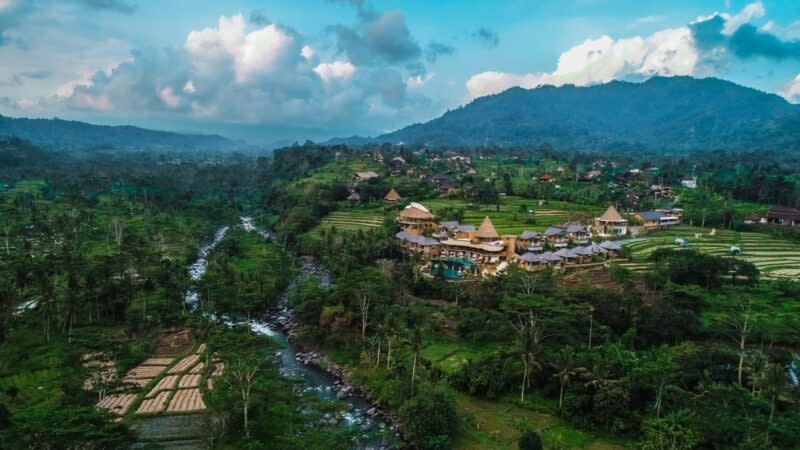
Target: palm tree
x,y
415,341
529,333
772,382
564,366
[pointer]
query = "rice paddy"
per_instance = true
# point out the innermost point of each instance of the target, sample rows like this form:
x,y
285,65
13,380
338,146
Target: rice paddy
x,y
354,219
774,257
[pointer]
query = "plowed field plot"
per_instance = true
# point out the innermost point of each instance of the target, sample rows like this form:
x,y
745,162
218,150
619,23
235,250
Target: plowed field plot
x,y
157,362
200,349
154,405
198,368
187,400
165,384
189,381
219,367
117,403
185,364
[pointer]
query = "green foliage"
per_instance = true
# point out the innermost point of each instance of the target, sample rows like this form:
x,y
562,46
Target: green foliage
x,y
429,419
530,440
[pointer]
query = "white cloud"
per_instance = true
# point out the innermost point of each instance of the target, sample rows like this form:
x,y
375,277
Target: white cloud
x,y
417,81
307,52
254,53
646,20
666,52
335,70
169,98
189,87
792,91
752,11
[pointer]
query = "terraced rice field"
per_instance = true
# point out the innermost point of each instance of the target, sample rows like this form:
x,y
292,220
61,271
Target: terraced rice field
x,y
774,257
171,385
355,219
513,216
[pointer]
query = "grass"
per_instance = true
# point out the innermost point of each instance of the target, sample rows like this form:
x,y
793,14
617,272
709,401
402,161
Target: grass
x,y
513,216
449,354
774,257
354,219
489,424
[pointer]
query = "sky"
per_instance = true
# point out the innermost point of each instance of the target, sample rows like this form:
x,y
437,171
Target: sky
x,y
275,70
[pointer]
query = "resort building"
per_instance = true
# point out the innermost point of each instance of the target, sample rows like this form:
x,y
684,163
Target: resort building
x,y
611,223
422,245
671,211
557,237
530,241
655,220
392,197
783,215
689,182
415,219
547,178
754,218
578,234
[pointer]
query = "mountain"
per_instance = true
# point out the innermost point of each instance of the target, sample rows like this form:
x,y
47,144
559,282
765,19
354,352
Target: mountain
x,y
64,134
674,113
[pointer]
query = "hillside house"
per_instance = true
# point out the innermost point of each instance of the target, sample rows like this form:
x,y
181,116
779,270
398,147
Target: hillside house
x,y
547,178
656,220
354,197
530,241
557,237
611,223
415,219
391,197
783,215
578,234
365,176
754,218
689,182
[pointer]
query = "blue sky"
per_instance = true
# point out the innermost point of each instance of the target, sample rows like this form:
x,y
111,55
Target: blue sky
x,y
275,70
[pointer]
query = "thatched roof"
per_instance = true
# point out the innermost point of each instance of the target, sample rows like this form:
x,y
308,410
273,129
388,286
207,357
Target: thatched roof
x,y
487,230
611,215
392,196
416,211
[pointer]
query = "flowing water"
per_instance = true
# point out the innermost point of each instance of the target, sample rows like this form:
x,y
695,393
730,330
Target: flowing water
x,y
359,413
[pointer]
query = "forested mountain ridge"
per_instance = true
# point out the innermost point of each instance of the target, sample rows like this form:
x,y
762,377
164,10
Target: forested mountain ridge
x,y
65,134
674,114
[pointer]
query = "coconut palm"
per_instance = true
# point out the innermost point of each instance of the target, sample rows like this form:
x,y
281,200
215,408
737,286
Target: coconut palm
x,y
564,366
530,333
773,384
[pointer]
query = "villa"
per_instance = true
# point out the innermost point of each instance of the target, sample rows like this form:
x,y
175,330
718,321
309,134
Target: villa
x,y
783,215
531,241
611,223
365,176
557,237
415,219
656,219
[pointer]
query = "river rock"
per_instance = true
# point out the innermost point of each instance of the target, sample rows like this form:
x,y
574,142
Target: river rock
x,y
372,411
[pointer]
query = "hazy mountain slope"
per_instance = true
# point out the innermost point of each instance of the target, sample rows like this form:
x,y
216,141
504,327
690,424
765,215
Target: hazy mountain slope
x,y
63,134
662,113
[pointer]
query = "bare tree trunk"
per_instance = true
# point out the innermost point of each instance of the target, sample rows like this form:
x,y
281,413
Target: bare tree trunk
x,y
389,355
561,398
413,374
591,323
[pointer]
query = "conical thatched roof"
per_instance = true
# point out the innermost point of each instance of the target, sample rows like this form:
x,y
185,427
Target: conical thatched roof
x,y
392,196
612,215
487,230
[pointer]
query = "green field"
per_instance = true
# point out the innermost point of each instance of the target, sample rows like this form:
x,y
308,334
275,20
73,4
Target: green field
x,y
354,219
513,218
774,257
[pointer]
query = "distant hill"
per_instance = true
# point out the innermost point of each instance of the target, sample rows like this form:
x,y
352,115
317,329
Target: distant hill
x,y
675,113
65,135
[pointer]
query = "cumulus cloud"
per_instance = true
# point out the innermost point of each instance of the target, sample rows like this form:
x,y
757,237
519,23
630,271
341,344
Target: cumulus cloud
x,y
337,70
487,37
111,5
235,72
792,91
666,52
704,47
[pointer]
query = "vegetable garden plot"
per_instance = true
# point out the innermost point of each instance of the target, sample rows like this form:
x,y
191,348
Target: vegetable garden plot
x,y
154,405
185,364
187,400
189,381
117,403
165,384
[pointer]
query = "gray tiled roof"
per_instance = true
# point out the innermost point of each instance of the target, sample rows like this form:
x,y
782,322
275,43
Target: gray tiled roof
x,y
553,231
529,235
651,215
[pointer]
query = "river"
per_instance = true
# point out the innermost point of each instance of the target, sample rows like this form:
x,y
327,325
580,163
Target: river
x,y
359,413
